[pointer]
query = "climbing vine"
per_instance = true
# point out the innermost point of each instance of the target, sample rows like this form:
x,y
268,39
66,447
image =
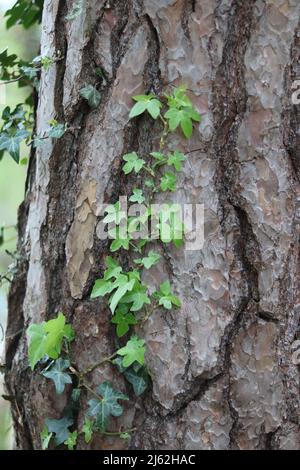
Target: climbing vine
x,y
130,300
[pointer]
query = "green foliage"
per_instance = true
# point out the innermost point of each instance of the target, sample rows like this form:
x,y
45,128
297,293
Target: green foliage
x,y
181,112
134,163
101,409
136,375
25,13
165,296
72,440
129,299
87,430
133,351
60,428
123,319
150,260
58,375
137,196
46,339
91,95
168,182
146,103
46,438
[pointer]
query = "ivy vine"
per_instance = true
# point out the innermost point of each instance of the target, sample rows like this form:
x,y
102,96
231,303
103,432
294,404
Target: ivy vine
x,y
130,301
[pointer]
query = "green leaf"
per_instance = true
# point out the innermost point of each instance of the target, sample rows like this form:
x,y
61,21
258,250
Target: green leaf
x,y
137,196
168,182
123,287
87,430
133,351
92,95
72,440
119,243
175,159
146,103
138,109
25,13
60,427
136,375
57,130
187,127
11,143
133,163
101,288
123,319
58,375
45,438
46,339
165,296
114,213
107,406
149,260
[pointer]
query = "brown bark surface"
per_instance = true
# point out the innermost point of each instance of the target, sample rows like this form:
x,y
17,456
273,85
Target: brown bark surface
x,y
221,367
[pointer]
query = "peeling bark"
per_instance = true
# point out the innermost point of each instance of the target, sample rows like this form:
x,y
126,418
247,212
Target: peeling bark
x,y
221,368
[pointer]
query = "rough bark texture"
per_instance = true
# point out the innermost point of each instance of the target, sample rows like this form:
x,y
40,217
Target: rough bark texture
x,y
221,367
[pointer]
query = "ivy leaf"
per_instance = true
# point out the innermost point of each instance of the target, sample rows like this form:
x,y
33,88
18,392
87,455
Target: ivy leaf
x,y
36,350
58,375
137,297
150,260
87,430
72,440
60,427
165,296
168,182
11,143
56,330
119,243
133,351
45,438
137,196
107,406
122,287
46,339
123,319
175,159
114,213
133,163
92,95
136,375
24,12
146,103
57,130
101,288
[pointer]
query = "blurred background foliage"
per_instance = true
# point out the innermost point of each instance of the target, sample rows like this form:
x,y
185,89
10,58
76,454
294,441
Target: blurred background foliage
x,y
25,44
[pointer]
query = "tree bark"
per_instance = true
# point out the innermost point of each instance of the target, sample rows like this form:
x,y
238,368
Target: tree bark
x,y
221,367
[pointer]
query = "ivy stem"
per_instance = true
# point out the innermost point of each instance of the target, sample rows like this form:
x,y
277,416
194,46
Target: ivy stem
x,y
97,364
149,170
118,433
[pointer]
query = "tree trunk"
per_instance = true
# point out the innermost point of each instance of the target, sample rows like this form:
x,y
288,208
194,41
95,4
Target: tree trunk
x,y
221,367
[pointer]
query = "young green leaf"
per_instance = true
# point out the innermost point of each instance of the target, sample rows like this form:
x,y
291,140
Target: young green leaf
x,y
123,319
168,182
60,427
133,351
123,286
175,159
146,103
149,260
46,339
58,375
107,406
11,143
165,296
91,94
72,440
119,243
45,438
133,163
137,196
87,430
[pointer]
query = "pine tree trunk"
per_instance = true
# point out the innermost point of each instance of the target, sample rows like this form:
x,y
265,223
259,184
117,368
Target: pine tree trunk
x,y
221,367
